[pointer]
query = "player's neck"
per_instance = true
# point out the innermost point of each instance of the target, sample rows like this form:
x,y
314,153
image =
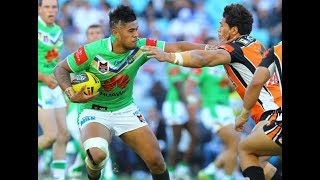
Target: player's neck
x,y
117,48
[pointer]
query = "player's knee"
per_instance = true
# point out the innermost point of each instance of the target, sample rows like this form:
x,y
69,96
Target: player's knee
x,y
97,152
63,137
49,139
243,147
156,163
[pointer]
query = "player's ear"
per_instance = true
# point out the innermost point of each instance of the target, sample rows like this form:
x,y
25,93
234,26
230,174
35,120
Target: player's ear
x,y
234,30
115,33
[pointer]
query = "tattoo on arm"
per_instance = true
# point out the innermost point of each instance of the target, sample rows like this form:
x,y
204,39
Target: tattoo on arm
x,y
210,47
63,77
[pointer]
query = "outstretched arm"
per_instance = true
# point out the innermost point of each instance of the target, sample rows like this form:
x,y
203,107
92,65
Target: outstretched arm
x,y
194,58
182,46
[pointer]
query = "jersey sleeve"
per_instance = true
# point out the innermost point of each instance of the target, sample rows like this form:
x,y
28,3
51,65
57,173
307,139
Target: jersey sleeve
x,y
79,60
268,61
150,42
234,51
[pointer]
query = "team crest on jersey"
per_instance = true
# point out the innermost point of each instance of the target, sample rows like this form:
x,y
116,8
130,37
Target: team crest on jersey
x,y
130,59
45,39
103,67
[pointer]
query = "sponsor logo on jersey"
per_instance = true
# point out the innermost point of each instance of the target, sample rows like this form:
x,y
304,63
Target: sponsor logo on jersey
x,y
80,56
119,80
113,94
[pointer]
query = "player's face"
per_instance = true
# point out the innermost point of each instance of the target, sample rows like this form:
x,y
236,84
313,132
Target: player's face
x,y
94,34
128,34
48,11
224,30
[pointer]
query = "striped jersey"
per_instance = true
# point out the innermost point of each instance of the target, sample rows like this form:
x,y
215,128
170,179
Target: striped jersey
x,y
246,54
273,61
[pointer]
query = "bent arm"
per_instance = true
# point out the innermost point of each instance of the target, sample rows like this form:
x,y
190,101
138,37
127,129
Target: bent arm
x,y
62,73
261,76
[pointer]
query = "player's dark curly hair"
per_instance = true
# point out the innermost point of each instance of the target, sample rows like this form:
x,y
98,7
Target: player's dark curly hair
x,y
237,15
122,14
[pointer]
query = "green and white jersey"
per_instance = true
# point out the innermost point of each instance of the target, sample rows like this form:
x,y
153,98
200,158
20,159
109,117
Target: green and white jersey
x,y
50,44
116,72
212,86
175,73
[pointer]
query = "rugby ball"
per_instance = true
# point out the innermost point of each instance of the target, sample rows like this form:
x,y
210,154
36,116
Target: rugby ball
x,y
92,83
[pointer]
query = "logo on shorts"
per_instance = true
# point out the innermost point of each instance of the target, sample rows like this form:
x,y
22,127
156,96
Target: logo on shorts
x,y
86,118
140,117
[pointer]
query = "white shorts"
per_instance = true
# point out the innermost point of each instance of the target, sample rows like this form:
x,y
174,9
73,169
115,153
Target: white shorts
x,y
73,127
51,98
224,117
174,113
118,122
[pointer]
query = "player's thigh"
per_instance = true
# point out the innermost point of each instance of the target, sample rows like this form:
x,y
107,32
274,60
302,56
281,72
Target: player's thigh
x,y
60,114
143,142
95,129
257,142
47,121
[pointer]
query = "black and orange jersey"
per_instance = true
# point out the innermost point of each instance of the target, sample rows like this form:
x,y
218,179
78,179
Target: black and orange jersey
x,y
273,61
246,54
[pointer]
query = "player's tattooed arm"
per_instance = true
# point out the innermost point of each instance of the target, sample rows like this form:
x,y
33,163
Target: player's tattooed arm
x,y
62,73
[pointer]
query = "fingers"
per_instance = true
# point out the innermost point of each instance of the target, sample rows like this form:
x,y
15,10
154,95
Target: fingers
x,y
148,50
82,88
91,97
152,56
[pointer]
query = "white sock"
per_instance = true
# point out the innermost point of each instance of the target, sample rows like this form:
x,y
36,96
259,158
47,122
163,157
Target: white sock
x,y
58,168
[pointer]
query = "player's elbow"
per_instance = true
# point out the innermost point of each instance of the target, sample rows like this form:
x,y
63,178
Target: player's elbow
x,y
257,82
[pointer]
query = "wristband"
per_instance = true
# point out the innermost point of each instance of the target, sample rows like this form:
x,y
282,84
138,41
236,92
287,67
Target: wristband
x,y
178,59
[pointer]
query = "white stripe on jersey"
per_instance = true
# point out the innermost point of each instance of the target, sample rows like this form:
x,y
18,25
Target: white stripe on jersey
x,y
265,97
